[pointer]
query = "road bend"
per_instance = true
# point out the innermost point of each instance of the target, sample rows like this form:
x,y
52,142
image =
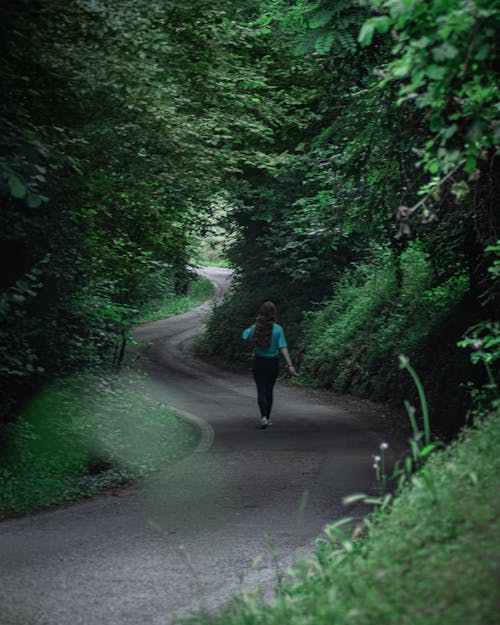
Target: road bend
x,y
234,513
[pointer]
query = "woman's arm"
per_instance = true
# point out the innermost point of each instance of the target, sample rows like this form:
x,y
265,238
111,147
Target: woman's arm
x,y
286,356
248,333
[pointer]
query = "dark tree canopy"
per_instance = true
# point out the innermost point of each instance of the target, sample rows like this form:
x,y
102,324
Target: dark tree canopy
x,y
355,142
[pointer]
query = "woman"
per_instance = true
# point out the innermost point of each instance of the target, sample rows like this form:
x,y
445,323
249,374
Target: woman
x,y
269,340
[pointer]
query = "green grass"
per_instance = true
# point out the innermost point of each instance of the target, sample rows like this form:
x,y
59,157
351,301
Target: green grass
x,y
430,558
90,432
84,434
219,262
199,290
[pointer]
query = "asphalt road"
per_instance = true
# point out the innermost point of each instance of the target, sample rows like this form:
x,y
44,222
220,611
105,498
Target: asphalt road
x,y
192,535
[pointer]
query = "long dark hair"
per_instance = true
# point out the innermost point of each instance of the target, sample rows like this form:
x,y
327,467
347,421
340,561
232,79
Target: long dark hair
x,y
264,324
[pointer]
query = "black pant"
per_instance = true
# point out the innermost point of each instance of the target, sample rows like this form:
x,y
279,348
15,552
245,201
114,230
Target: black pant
x,y
265,372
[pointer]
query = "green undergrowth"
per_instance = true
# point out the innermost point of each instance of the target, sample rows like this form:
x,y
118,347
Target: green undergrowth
x,y
429,558
222,263
89,432
371,318
84,434
378,309
199,290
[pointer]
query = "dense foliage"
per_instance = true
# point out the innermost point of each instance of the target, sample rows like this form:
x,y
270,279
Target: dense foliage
x,y
348,147
114,139
381,214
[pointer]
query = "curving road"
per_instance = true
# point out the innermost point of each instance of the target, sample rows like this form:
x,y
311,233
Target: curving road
x,y
145,554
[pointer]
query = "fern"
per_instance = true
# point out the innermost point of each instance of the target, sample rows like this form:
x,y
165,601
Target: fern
x,y
321,18
323,43
332,29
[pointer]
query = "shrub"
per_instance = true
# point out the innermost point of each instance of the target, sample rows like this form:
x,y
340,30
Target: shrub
x,y
370,318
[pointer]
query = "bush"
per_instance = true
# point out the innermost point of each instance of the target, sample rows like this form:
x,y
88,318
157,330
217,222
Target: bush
x,y
336,334
371,319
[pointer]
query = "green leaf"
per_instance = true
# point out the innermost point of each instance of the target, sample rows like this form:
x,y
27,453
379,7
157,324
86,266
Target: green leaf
x,y
324,42
321,18
34,201
483,52
436,122
349,499
436,72
17,187
427,449
382,24
366,33
421,43
402,67
470,164
476,131
450,131
460,190
433,167
444,52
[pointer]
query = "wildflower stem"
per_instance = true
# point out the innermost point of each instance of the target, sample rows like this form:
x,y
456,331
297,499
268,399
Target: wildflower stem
x,y
411,415
405,364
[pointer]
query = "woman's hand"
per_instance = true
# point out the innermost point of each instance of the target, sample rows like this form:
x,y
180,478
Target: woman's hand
x,y
291,369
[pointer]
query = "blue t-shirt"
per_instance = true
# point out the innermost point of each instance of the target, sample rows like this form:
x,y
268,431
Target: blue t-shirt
x,y
277,341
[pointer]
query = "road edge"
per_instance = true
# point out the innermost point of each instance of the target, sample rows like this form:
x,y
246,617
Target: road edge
x,y
207,431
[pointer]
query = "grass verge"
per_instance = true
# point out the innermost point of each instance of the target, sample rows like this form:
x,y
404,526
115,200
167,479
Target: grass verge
x,y
90,432
199,290
431,558
85,434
